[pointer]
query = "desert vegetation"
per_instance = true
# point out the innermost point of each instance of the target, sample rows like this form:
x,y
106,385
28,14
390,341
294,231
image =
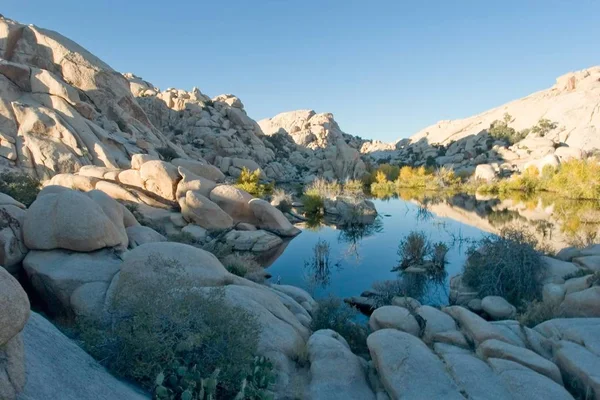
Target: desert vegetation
x,y
20,187
507,265
249,181
180,343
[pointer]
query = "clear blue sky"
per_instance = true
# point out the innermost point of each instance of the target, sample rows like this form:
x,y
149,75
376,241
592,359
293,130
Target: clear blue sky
x,y
386,69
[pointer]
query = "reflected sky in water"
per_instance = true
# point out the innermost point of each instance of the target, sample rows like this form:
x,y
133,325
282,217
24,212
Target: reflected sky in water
x,y
355,263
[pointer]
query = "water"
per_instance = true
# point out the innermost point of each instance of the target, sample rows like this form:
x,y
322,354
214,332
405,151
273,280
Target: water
x,y
357,259
356,263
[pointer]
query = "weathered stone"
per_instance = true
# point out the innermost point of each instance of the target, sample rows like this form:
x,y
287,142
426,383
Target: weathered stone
x,y
589,262
580,367
257,241
234,202
524,383
191,181
271,219
55,275
437,324
160,177
12,368
335,371
556,270
474,327
201,211
396,318
79,223
408,369
472,375
494,348
50,357
202,169
585,303
553,293
583,331
14,307
139,235
12,246
498,308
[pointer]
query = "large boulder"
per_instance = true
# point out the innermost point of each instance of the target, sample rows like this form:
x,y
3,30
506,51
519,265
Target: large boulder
x,y
72,220
524,383
139,235
485,172
61,280
191,181
585,303
474,327
555,270
51,358
497,349
14,312
408,369
234,202
440,327
200,168
396,318
160,178
12,246
474,376
336,373
257,241
579,366
498,308
198,209
271,219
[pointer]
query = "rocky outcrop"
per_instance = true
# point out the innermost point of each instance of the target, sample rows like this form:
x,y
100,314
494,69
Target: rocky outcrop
x,y
51,357
14,312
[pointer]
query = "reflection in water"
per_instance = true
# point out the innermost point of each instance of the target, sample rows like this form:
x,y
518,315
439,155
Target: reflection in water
x,y
317,268
362,254
354,231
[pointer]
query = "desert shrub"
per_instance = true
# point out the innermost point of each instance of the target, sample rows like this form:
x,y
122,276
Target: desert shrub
x,y
282,200
390,173
167,322
543,127
167,153
353,188
249,181
313,204
577,179
500,130
20,187
381,185
537,311
183,237
332,313
412,177
507,265
244,265
323,188
413,249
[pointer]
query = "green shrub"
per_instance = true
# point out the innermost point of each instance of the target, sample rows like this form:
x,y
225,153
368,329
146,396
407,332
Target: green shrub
x,y
324,189
413,249
169,322
282,200
313,204
500,130
167,153
249,181
244,265
183,237
543,127
332,313
353,188
20,187
507,265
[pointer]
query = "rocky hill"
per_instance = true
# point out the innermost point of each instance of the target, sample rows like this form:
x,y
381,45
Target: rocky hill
x,y
62,108
573,102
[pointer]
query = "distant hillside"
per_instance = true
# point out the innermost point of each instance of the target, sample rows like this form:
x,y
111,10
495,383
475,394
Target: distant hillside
x,y
573,103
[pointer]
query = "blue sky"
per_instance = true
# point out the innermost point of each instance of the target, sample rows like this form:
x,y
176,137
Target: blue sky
x,y
386,69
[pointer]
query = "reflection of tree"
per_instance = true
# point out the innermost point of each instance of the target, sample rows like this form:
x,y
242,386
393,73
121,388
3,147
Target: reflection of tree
x,y
353,231
318,267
